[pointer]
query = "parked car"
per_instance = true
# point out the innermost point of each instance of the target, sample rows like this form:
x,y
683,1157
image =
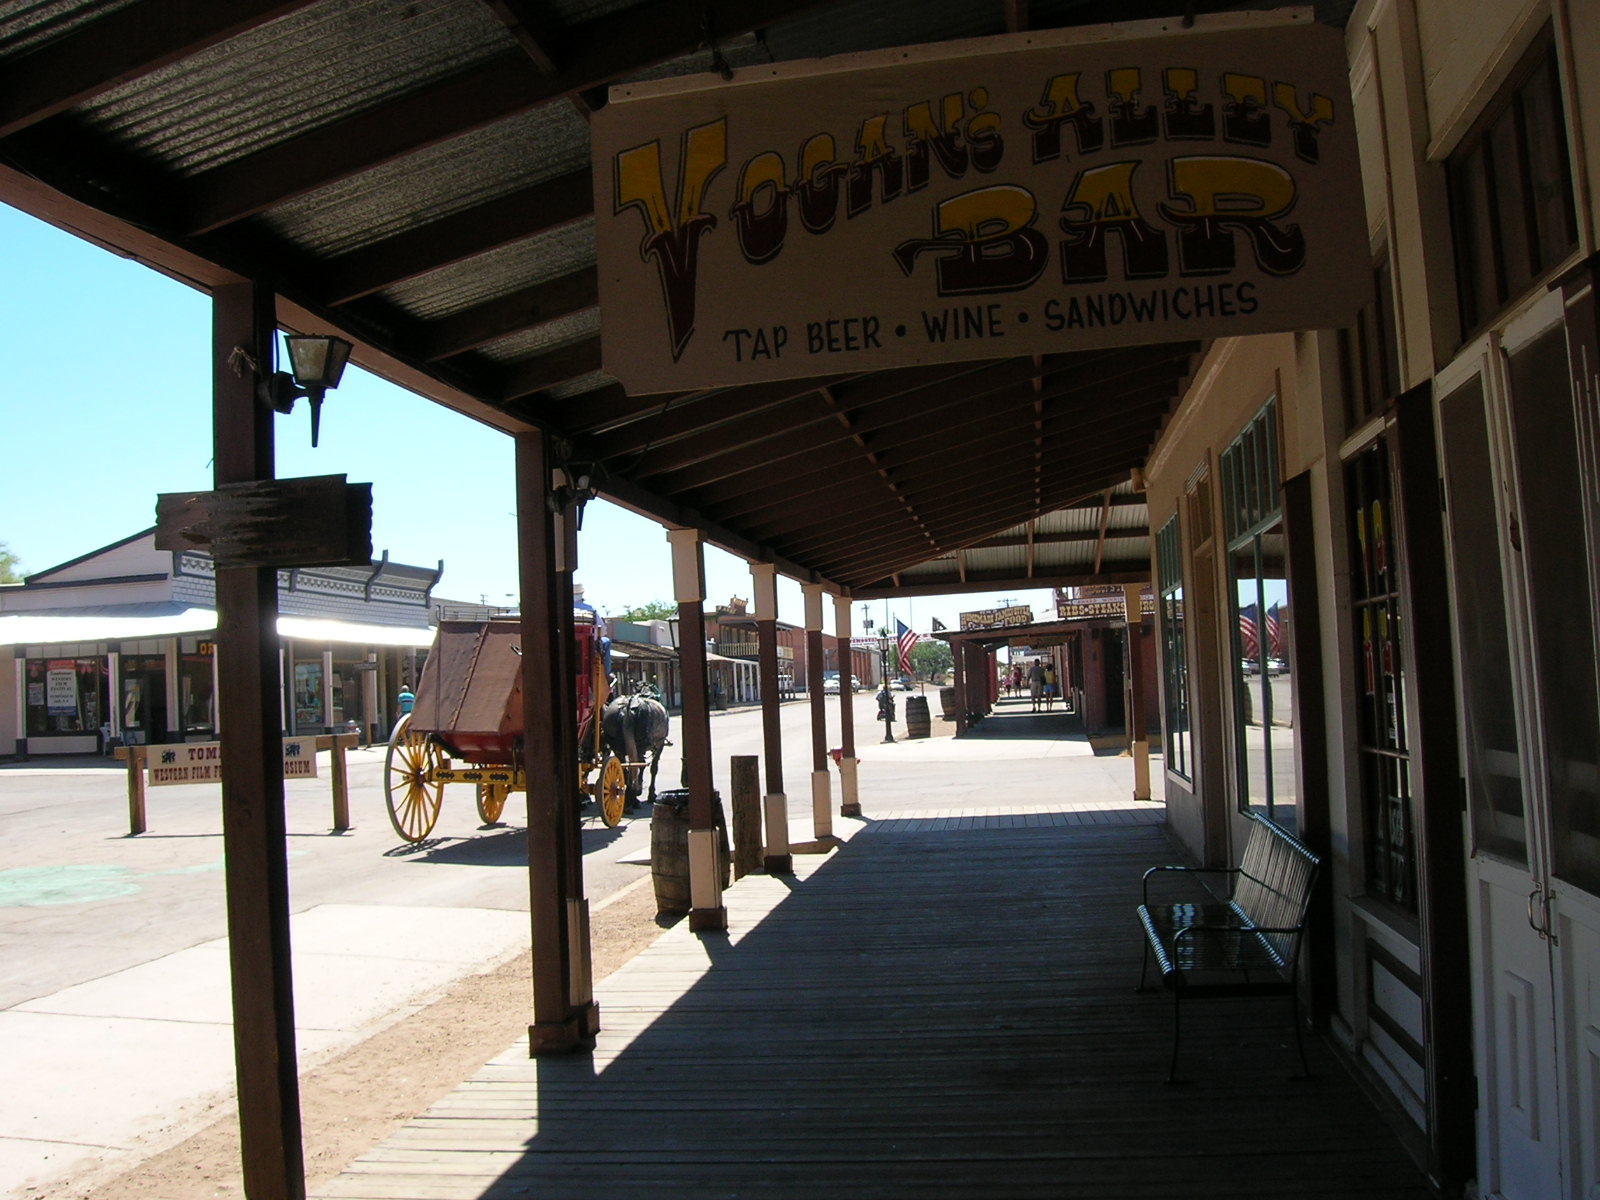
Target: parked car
x,y
904,684
1250,666
830,686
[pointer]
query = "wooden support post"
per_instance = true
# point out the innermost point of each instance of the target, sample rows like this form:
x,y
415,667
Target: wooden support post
x,y
255,860
1138,729
564,1015
341,780
137,823
821,785
706,911
958,667
764,577
745,772
849,793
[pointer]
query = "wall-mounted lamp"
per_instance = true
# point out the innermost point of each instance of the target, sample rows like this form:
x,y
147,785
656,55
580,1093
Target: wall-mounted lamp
x,y
317,362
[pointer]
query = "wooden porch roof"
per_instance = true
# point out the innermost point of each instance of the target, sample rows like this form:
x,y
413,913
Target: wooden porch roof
x,y
416,176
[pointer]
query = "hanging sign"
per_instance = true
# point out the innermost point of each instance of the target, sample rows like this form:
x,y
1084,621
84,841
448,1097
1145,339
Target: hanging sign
x,y
1027,194
998,618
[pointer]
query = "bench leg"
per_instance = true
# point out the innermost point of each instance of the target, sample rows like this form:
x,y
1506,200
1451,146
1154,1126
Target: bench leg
x,y
1299,1040
1177,1029
1144,965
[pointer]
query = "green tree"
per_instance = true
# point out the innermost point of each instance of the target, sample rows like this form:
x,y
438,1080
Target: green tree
x,y
656,610
10,565
931,657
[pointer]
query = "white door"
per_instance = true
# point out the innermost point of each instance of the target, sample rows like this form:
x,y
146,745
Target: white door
x,y
1524,582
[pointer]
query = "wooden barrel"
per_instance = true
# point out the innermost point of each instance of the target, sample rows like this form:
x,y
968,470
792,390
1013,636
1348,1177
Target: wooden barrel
x,y
669,849
669,855
917,725
947,701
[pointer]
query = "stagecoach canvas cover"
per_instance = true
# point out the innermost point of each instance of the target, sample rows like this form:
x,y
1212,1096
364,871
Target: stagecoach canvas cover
x,y
1026,194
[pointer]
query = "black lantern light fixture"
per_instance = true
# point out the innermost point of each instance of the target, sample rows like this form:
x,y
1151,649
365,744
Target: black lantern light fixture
x,y
316,362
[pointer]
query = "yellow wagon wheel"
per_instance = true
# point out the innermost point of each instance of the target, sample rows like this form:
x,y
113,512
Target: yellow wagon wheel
x,y
613,792
492,801
408,768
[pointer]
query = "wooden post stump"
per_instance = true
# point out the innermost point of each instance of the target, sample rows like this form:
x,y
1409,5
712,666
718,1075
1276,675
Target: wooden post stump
x,y
746,775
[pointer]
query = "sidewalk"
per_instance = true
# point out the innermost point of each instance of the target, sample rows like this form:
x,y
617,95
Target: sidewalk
x,y
942,1008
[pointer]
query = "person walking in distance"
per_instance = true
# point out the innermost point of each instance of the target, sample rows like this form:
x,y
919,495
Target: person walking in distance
x,y
1036,683
1049,689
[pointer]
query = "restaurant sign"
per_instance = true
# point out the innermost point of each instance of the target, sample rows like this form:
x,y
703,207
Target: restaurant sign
x,y
1026,194
997,618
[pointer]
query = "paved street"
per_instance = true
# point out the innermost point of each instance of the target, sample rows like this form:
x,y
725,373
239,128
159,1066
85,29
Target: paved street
x,y
116,980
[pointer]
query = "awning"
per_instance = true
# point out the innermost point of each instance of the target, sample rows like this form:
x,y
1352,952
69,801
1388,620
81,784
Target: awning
x,y
19,629
42,629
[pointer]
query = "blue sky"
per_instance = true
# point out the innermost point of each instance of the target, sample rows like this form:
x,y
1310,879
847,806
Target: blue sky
x,y
106,402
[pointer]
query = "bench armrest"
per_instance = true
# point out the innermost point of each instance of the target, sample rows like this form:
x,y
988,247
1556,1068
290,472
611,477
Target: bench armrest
x,y
1184,871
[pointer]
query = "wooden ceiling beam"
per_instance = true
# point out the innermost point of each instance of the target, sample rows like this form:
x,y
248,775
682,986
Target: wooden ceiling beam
x,y
766,443
547,370
506,315
124,45
957,514
525,213
852,390
1131,375
598,51
778,494
942,498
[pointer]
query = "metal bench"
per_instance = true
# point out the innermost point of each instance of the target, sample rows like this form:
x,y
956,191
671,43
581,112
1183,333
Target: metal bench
x,y
1247,945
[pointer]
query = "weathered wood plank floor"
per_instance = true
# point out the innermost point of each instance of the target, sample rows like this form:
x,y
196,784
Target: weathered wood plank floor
x,y
944,1007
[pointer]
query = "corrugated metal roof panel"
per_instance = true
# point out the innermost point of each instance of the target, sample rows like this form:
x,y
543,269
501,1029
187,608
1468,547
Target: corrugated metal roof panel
x,y
541,338
438,181
28,24
487,276
310,68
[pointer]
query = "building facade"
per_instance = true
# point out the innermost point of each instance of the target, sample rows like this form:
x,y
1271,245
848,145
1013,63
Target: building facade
x,y
118,646
1375,562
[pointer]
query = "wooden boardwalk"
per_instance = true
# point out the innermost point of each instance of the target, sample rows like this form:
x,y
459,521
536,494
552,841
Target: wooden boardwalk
x,y
943,1007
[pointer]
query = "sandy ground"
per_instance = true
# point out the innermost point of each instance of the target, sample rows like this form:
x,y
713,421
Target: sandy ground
x,y
354,1101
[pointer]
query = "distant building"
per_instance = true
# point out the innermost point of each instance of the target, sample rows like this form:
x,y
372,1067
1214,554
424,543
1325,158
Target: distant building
x,y
119,645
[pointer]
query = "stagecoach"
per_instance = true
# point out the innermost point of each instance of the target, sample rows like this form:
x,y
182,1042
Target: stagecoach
x,y
466,726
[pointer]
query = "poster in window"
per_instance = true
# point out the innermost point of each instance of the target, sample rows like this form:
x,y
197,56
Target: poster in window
x,y
61,690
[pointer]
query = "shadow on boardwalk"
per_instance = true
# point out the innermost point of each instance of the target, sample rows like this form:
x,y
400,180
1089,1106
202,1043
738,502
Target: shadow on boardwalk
x,y
932,1011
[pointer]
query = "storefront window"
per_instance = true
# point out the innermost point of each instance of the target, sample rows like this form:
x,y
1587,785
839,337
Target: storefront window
x,y
1263,656
196,678
308,714
1380,701
1174,652
65,695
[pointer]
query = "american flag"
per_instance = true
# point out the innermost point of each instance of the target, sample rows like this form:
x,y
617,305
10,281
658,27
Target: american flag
x,y
908,639
1274,632
1249,636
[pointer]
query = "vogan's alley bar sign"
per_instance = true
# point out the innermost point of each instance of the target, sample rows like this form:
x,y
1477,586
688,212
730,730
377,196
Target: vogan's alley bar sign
x,y
1027,194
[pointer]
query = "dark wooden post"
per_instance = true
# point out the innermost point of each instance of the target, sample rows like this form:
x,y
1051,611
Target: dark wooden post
x,y
821,787
706,910
849,785
256,866
564,1012
1442,884
1138,735
779,861
958,667
745,782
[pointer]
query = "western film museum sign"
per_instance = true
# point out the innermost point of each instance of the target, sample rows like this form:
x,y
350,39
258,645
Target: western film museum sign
x,y
1026,194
